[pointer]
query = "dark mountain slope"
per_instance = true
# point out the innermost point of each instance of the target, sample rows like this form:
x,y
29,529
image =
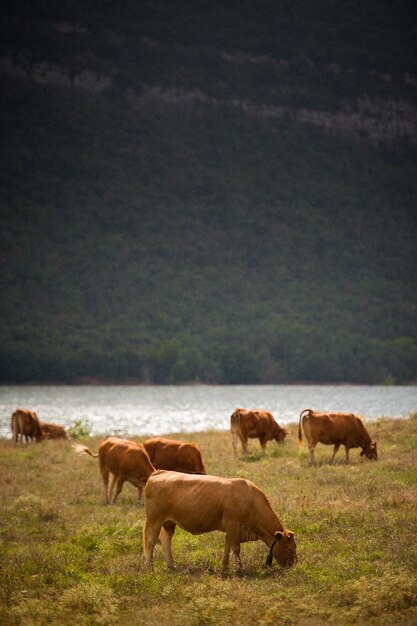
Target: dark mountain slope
x,y
224,194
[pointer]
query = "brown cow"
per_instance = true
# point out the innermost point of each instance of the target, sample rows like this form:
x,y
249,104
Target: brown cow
x,y
26,424
179,456
250,424
200,504
52,431
124,460
335,429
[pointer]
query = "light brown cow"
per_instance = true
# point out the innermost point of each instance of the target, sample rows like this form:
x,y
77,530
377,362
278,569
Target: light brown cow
x,y
124,460
335,429
179,456
52,431
25,424
251,424
200,504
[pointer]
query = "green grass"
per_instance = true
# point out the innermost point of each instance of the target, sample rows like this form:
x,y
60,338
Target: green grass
x,y
67,558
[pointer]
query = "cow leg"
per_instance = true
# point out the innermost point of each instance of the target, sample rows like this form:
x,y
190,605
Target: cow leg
x,y
166,534
244,445
119,485
225,562
263,441
346,454
140,495
236,551
105,476
151,534
311,454
111,487
335,449
234,443
232,542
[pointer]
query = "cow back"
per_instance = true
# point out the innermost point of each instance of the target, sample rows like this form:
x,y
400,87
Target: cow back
x,y
122,456
178,456
257,423
53,431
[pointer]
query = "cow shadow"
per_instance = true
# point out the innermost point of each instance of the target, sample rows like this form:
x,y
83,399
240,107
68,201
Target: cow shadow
x,y
252,457
201,570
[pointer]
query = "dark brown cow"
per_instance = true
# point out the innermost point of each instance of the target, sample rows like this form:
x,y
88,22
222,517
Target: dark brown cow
x,y
335,429
25,423
200,504
251,424
52,431
124,460
179,456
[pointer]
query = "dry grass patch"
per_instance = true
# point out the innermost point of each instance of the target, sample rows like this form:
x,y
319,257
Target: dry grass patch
x,y
67,558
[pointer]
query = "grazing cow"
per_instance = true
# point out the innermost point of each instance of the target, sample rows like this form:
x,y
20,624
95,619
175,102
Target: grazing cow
x,y
26,424
125,460
247,424
200,504
52,431
335,429
174,455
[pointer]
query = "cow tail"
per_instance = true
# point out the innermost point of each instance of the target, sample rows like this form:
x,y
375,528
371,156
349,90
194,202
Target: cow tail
x,y
234,420
80,449
14,427
145,538
300,434
234,428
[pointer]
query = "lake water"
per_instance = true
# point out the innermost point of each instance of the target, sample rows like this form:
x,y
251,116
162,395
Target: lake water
x,y
155,410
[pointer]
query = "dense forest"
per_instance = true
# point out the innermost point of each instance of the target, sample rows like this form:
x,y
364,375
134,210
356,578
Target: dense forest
x,y
209,192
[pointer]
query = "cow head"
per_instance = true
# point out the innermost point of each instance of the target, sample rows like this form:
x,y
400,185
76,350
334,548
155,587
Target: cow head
x,y
280,434
284,549
36,427
370,451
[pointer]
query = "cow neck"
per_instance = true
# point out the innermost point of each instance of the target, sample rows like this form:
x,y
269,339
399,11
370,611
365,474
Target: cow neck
x,y
368,440
268,536
268,524
269,557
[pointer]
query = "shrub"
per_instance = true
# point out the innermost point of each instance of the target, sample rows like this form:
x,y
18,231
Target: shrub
x,y
96,603
80,428
33,507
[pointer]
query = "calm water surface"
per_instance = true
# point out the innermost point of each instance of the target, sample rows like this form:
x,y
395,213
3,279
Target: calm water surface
x,y
146,410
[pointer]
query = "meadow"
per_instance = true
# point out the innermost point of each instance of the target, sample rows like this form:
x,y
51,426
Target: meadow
x,y
67,558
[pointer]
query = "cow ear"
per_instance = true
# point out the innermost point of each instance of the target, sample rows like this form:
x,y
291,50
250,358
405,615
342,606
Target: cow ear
x,y
290,534
279,535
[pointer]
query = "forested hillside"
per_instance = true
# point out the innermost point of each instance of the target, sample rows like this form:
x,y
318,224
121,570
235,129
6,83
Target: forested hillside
x,y
215,192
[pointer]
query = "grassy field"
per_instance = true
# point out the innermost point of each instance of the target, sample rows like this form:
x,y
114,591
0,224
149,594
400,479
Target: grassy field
x,y
67,558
